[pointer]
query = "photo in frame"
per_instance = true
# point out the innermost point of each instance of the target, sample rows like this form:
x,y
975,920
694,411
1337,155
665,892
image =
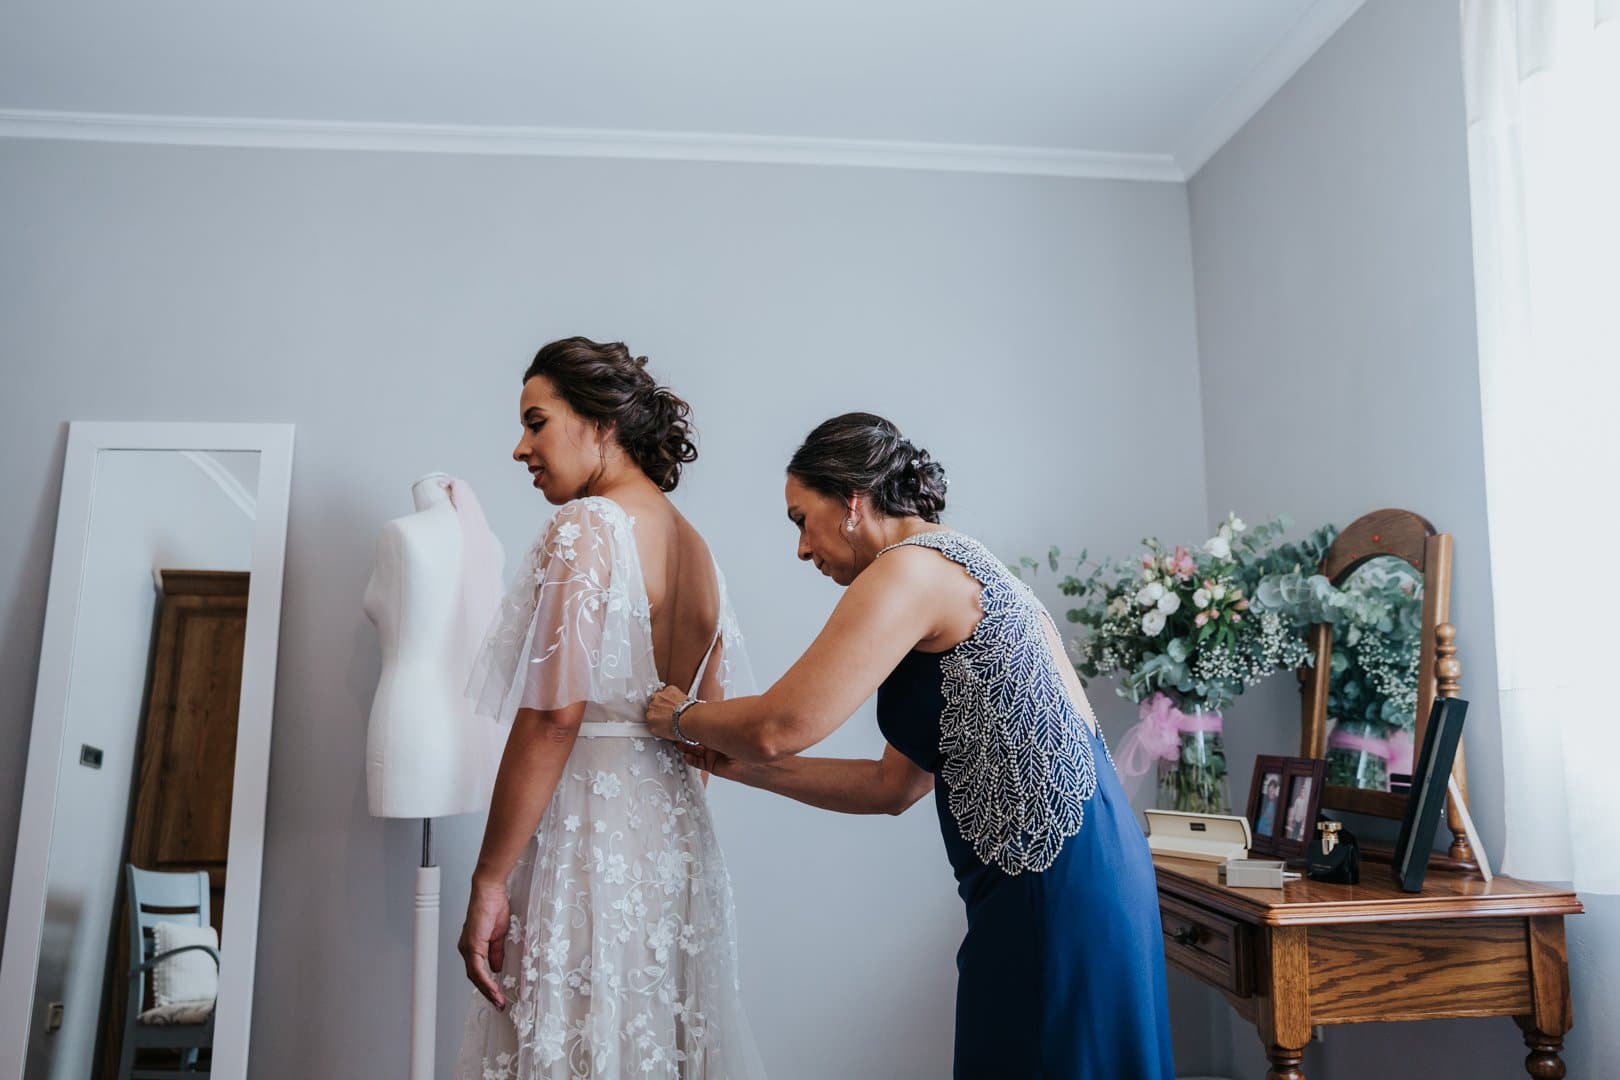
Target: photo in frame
x,y
1284,798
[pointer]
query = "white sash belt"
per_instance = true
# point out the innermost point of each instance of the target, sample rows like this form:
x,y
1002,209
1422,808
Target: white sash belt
x,y
614,729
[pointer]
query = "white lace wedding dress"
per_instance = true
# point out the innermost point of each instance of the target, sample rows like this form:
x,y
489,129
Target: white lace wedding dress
x,y
621,957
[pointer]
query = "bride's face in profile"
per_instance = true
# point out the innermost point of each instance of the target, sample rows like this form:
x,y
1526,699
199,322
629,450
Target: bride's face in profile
x,y
561,449
822,539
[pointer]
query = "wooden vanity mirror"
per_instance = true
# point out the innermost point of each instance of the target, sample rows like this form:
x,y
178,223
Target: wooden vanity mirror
x,y
1377,670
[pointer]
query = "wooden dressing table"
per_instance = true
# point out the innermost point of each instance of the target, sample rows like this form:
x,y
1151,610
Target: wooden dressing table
x,y
1313,953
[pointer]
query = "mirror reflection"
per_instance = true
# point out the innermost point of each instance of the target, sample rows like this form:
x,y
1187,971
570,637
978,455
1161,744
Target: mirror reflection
x,y
138,881
1373,686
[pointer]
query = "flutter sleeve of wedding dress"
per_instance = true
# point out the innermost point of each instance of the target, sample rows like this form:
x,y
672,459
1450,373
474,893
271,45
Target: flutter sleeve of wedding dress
x,y
565,630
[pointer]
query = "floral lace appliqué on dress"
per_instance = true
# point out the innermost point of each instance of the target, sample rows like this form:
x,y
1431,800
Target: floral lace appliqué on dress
x,y
621,956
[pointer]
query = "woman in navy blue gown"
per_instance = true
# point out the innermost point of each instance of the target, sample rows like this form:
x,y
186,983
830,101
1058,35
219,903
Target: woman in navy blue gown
x,y
1061,974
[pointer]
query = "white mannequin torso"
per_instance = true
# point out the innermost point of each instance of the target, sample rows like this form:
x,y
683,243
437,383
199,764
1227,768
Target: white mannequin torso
x,y
427,754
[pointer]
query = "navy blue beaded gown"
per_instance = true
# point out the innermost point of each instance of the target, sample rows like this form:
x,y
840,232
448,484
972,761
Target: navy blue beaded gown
x,y
1061,974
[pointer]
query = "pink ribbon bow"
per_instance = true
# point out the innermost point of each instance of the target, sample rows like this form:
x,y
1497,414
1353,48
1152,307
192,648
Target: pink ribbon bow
x,y
1156,737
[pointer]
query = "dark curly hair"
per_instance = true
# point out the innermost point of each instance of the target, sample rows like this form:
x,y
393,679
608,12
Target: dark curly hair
x,y
859,453
605,383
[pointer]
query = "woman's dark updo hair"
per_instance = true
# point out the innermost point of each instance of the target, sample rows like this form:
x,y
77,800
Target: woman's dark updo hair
x,y
859,453
604,383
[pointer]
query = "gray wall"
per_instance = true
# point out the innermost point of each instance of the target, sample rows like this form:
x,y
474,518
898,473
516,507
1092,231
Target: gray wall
x,y
1036,335
1336,336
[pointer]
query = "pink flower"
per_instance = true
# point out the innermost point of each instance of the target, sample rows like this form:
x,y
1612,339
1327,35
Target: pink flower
x,y
1201,618
1242,605
1236,617
1180,563
1147,560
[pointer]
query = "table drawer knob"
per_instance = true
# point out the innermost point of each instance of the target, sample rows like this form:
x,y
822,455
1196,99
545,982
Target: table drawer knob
x,y
1185,935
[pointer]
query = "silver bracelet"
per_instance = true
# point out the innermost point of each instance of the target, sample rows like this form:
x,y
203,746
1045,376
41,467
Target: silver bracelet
x,y
675,721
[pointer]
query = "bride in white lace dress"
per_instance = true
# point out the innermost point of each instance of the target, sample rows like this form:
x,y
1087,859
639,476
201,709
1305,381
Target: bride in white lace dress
x,y
600,934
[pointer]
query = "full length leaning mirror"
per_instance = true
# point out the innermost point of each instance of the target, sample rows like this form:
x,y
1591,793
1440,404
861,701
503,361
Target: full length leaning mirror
x,y
134,907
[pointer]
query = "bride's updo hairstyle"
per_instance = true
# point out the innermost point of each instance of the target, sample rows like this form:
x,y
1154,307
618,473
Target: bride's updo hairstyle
x,y
862,454
605,383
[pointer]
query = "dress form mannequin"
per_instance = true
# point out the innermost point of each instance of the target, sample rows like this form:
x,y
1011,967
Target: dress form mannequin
x,y
433,591
427,754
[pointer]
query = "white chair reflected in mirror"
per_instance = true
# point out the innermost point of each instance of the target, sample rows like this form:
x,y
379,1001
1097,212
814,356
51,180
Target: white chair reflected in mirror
x,y
185,1027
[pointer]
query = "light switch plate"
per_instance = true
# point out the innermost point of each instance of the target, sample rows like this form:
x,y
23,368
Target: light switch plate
x,y
53,1016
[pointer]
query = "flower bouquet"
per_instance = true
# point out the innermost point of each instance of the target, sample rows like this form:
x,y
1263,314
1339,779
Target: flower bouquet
x,y
1188,633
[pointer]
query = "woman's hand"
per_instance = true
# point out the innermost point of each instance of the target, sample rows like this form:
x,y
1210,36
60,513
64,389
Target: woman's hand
x,y
661,712
483,939
713,761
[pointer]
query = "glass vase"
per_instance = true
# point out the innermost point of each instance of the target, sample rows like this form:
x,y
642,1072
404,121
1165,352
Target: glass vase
x,y
1196,780
1358,756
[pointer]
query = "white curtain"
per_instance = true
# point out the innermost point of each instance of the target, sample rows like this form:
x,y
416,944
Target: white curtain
x,y
1543,95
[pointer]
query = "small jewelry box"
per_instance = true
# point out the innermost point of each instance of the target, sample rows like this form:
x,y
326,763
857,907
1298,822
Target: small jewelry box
x,y
1255,873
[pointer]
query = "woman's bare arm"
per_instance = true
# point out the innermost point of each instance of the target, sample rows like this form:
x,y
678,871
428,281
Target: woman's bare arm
x,y
895,603
537,750
890,785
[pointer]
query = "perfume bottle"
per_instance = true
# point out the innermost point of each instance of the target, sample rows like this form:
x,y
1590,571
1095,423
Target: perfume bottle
x,y
1333,855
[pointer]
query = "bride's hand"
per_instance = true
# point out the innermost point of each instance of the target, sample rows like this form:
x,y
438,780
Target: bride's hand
x,y
483,939
661,711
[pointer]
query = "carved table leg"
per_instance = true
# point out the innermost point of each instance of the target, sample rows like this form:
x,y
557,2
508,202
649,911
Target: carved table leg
x,y
1285,1064
1544,1028
1283,1022
1543,1062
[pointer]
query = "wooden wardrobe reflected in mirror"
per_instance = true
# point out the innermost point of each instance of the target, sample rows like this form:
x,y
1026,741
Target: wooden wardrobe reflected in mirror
x,y
180,802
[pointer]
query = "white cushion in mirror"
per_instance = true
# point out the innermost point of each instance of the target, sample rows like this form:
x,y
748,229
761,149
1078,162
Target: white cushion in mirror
x,y
192,976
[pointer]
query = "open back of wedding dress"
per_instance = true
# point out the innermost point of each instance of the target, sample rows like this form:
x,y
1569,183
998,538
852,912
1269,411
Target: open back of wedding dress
x,y
621,956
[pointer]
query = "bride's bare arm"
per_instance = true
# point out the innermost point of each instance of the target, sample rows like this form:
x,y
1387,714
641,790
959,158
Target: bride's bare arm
x,y
890,785
537,750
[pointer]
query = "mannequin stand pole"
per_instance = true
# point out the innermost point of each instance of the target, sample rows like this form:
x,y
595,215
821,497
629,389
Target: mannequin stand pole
x,y
425,971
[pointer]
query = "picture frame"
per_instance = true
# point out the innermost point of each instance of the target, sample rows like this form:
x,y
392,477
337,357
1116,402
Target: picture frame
x,y
1430,772
1284,798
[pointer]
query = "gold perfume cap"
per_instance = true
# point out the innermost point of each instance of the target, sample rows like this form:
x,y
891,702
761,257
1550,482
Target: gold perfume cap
x,y
1329,826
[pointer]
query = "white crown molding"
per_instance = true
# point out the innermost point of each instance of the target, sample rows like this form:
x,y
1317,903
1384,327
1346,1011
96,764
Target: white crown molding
x,y
1232,111
582,142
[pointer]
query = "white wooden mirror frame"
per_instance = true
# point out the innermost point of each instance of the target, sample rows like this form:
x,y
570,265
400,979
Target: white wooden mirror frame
x,y
239,937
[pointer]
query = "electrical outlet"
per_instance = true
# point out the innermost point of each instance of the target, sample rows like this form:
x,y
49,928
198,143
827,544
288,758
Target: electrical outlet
x,y
53,1017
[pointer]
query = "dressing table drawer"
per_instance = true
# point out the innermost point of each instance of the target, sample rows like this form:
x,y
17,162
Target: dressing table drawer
x,y
1211,946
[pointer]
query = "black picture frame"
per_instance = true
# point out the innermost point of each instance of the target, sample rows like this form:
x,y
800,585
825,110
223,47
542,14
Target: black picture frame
x,y
1430,774
1282,819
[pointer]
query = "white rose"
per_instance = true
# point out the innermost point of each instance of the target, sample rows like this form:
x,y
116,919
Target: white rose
x,y
1152,622
1218,592
1201,598
1145,597
1169,603
1237,524
1148,573
1219,547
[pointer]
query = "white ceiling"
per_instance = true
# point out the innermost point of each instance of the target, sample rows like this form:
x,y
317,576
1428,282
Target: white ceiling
x,y
1080,87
